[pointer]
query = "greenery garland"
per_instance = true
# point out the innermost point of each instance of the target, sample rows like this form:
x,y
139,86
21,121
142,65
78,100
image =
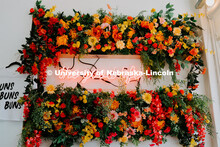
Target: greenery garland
x,y
70,115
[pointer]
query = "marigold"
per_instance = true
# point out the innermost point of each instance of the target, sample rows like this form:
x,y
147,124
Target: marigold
x,y
123,139
96,18
50,89
47,115
147,97
62,40
131,33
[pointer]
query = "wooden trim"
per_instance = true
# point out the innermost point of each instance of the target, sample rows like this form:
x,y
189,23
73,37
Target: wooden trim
x,y
102,56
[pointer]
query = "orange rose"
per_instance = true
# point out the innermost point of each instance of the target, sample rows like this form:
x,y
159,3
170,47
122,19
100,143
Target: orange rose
x,y
194,51
189,96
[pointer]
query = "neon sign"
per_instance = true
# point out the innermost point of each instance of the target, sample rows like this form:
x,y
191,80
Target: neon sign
x,y
125,73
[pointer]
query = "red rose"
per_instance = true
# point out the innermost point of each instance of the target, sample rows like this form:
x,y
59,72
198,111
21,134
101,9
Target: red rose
x,y
32,10
57,114
170,94
80,28
62,106
167,130
97,134
149,41
145,48
89,116
62,115
100,125
155,45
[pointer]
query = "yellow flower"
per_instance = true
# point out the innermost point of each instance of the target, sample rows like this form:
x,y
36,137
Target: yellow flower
x,y
207,121
84,96
64,24
120,44
85,92
123,139
106,120
147,97
50,89
153,10
177,31
160,36
62,40
167,90
92,41
174,93
175,87
76,45
193,143
174,118
50,13
96,18
47,115
84,101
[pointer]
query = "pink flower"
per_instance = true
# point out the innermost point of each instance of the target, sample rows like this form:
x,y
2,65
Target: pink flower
x,y
162,20
141,139
105,25
130,131
113,115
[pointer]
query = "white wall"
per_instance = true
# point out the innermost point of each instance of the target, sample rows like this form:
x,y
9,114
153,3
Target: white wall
x,y
16,23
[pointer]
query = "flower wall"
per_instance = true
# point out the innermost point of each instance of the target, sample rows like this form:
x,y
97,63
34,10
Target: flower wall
x,y
74,115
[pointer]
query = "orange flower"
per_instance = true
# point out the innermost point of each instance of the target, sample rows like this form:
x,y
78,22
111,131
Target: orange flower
x,y
109,7
131,33
145,24
130,18
115,105
73,33
129,44
161,124
189,58
194,51
160,36
189,96
151,26
96,32
62,40
174,118
107,19
203,71
136,124
106,34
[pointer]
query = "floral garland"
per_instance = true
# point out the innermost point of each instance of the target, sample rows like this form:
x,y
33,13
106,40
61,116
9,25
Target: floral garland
x,y
158,39
74,115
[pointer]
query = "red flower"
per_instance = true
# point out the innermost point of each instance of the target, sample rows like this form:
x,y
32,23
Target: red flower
x,y
147,132
170,94
63,106
80,28
61,31
135,40
98,46
148,35
74,99
100,125
85,46
33,47
62,115
89,116
20,69
130,18
167,130
182,91
149,41
114,27
32,10
155,45
97,134
57,114
94,91
34,69
41,12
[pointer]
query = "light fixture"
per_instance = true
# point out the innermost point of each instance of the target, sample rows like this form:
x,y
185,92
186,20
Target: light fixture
x,y
210,2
